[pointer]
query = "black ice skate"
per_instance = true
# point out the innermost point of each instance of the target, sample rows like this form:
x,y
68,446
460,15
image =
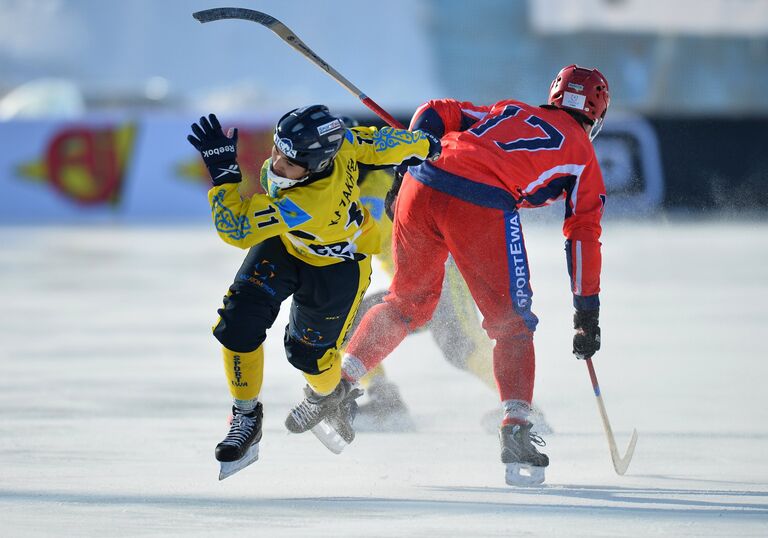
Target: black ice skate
x,y
240,447
328,417
490,420
525,464
385,410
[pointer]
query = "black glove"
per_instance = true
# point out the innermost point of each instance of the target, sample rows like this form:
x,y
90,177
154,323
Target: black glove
x,y
586,341
391,197
219,151
435,146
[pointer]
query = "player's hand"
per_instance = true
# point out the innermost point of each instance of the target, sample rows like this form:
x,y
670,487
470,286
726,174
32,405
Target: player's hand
x,y
435,146
586,341
219,151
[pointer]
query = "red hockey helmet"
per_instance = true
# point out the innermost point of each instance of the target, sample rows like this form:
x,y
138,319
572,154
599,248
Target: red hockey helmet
x,y
582,90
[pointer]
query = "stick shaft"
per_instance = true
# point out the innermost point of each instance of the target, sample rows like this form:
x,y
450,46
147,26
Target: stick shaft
x,y
287,35
619,464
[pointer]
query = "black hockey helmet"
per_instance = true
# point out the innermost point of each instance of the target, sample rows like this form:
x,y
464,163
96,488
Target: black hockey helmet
x,y
310,137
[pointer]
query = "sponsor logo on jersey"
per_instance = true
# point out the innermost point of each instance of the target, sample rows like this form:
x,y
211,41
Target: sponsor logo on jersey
x,y
328,127
343,250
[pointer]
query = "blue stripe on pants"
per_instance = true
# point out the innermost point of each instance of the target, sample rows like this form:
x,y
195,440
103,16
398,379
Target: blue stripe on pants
x,y
519,273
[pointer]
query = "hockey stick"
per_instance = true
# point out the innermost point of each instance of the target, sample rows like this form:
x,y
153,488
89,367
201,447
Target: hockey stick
x,y
287,35
619,463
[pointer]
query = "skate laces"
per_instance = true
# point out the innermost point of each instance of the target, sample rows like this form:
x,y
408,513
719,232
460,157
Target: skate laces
x,y
536,439
305,413
241,429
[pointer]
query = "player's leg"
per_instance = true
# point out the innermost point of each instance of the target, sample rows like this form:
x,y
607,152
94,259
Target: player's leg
x,y
384,409
488,247
457,330
374,185
323,308
419,254
265,279
489,250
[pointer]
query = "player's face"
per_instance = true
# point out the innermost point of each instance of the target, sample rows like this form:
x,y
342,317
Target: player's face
x,y
285,168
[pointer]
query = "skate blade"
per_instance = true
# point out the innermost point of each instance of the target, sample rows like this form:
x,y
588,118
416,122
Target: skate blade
x,y
228,468
520,474
329,437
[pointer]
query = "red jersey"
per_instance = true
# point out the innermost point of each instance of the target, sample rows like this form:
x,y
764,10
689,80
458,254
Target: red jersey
x,y
511,155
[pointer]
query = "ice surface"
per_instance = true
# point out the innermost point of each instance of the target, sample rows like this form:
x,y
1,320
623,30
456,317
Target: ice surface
x,y
112,399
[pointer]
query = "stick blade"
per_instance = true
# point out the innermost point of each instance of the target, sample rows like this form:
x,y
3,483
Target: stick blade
x,y
219,13
622,464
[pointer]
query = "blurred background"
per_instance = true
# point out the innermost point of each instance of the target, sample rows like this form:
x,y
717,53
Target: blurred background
x,y
96,97
111,390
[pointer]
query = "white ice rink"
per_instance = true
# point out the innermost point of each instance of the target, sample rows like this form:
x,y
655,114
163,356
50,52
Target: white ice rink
x,y
112,398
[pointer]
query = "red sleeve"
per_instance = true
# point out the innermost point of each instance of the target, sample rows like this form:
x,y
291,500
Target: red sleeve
x,y
441,116
584,210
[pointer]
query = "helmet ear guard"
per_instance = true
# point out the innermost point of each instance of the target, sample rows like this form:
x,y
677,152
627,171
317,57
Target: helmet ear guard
x,y
583,91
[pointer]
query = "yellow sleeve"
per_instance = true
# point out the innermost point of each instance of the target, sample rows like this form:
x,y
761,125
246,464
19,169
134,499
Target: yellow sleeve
x,y
388,146
247,222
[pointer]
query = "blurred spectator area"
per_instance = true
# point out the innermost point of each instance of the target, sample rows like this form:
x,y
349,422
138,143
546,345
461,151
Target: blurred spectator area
x,y
661,57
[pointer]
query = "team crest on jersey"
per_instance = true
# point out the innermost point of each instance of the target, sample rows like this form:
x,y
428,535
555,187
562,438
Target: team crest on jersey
x,y
225,220
387,137
286,146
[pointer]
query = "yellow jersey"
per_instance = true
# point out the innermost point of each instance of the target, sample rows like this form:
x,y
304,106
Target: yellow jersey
x,y
320,221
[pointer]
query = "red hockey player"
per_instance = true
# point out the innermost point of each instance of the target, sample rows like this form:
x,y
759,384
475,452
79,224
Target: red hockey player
x,y
495,160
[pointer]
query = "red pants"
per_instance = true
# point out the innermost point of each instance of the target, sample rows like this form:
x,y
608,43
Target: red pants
x,y
488,247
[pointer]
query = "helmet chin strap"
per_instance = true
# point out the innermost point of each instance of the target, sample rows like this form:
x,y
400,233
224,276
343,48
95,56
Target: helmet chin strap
x,y
596,128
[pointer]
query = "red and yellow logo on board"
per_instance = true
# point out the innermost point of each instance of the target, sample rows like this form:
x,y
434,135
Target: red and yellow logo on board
x,y
254,146
86,165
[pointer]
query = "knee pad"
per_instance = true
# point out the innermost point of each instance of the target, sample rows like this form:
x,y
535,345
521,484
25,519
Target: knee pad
x,y
243,321
305,357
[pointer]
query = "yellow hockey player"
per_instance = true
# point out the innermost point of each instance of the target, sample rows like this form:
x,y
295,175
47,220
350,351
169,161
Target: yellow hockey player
x,y
309,236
